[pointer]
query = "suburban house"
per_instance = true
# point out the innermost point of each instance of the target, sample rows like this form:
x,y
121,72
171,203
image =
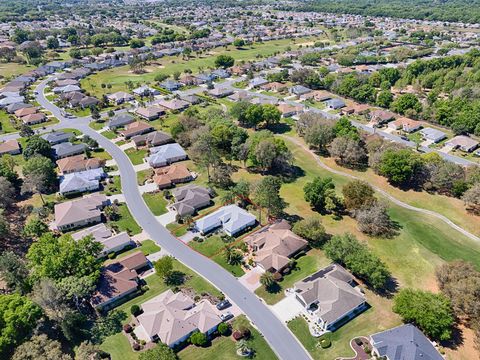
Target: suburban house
x,y
275,245
120,120
299,90
240,96
67,149
288,110
135,261
170,175
331,296
173,105
379,117
116,282
154,138
335,103
258,82
219,92
171,85
190,80
14,107
190,198
172,317
136,128
433,135
56,137
166,154
11,147
463,143
273,86
405,124
25,111
145,91
150,113
78,163
103,235
120,97
231,218
81,212
404,342
191,98
83,181
33,119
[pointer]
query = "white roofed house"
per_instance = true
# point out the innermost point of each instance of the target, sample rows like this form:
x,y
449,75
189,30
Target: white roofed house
x,y
166,154
433,135
231,218
83,181
120,97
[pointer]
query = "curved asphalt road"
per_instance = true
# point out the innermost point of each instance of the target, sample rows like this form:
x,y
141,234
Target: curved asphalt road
x,y
383,192
282,341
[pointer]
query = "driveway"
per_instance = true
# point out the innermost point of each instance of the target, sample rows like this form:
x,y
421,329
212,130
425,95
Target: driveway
x,y
186,238
167,218
251,280
116,197
142,166
148,187
287,308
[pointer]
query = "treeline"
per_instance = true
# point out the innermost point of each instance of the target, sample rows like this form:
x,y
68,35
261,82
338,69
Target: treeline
x,y
451,11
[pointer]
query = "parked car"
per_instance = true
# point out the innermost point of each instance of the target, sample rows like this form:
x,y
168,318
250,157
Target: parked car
x,y
226,316
223,304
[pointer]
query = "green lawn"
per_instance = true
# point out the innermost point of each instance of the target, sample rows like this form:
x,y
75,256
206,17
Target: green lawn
x,y
101,154
156,203
13,69
223,348
147,247
306,265
177,229
213,247
126,222
114,188
136,156
97,125
109,134
144,175
6,125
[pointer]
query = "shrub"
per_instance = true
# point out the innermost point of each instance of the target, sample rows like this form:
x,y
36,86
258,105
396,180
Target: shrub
x,y
145,288
136,346
127,328
237,335
198,339
135,310
325,343
223,329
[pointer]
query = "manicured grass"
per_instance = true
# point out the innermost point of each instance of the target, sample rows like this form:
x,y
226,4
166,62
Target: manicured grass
x,y
13,69
147,247
136,156
7,126
156,203
97,125
101,154
306,265
378,318
109,134
213,247
114,188
143,176
177,229
223,348
126,222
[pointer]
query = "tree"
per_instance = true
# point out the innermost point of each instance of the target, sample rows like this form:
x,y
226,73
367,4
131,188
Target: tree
x,y
238,43
160,352
471,197
26,131
53,43
384,99
205,153
40,175
233,255
164,266
320,194
373,219
37,146
311,229
406,102
18,316
267,280
58,257
254,115
198,339
14,272
35,227
319,136
108,325
348,152
266,194
399,166
459,281
357,194
344,128
357,257
7,193
40,347
223,329
239,110
271,114
88,351
224,61
137,43
432,313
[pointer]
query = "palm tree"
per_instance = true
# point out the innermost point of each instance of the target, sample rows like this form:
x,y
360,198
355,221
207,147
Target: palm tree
x,y
233,255
267,280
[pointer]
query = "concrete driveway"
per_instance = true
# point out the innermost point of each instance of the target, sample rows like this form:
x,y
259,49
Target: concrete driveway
x,y
251,280
167,218
287,308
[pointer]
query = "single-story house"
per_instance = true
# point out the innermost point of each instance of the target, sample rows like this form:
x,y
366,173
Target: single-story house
x,y
170,175
273,86
56,137
150,112
11,147
433,134
66,89
135,261
136,128
154,138
462,142
191,98
120,97
404,342
25,111
174,104
379,117
240,96
11,100
35,118
172,317
17,106
219,92
166,154
120,120
317,95
405,124
221,73
288,110
331,295
79,163
231,218
67,149
275,245
190,198
171,85
299,90
190,80
102,234
87,101
257,82
145,91
83,181
78,213
335,103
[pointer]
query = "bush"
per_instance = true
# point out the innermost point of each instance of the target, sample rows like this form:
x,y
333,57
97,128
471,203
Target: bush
x,y
145,288
135,310
111,255
325,343
237,335
127,328
198,339
136,346
223,329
